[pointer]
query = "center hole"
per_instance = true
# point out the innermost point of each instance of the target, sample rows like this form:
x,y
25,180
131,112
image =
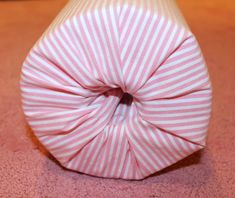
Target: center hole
x,y
123,109
126,99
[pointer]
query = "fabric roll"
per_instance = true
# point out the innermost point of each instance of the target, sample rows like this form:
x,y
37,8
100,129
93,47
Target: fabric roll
x,y
117,88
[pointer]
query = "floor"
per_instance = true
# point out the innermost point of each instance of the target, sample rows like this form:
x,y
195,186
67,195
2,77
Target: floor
x,y
26,168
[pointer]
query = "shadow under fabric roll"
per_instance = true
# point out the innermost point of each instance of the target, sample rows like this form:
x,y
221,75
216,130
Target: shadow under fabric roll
x,y
117,89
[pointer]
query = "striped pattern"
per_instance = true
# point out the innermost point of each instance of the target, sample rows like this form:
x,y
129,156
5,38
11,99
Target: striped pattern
x,y
117,89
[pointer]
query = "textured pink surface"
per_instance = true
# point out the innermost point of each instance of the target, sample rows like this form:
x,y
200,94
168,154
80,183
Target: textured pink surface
x,y
25,169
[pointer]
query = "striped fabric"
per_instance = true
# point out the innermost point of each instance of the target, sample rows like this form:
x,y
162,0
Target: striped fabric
x,y
117,88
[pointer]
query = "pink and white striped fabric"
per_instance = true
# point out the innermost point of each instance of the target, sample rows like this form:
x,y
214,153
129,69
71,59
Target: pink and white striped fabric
x,y
117,88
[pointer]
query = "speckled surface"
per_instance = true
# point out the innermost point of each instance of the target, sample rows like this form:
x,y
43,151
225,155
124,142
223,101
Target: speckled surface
x,y
26,168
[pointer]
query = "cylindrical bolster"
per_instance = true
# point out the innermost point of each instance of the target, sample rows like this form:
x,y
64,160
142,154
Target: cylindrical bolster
x,y
117,89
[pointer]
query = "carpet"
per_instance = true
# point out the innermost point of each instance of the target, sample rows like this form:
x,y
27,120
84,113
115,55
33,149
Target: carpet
x,y
28,170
